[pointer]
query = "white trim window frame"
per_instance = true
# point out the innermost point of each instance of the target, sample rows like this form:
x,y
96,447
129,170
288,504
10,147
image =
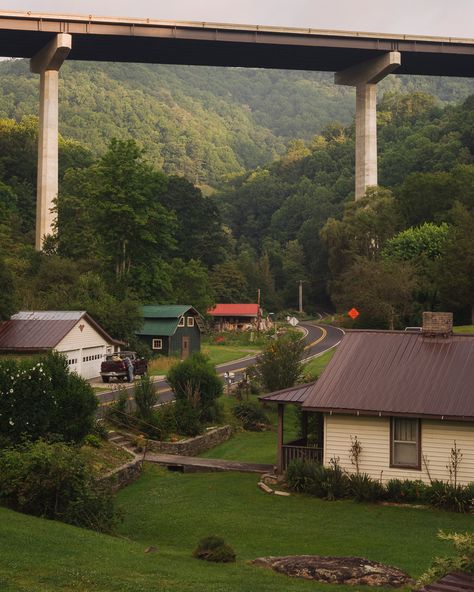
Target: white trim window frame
x,y
190,321
181,322
157,343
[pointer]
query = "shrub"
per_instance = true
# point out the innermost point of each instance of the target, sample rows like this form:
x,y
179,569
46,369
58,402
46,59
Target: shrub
x,y
310,477
100,430
449,497
462,561
187,419
145,397
364,489
54,481
406,491
42,399
93,441
251,415
214,548
279,365
195,380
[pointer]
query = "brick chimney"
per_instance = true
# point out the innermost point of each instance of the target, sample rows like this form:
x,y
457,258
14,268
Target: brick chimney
x,y
437,324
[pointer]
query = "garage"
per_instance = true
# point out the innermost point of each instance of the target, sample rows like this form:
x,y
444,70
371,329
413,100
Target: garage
x,y
91,359
75,334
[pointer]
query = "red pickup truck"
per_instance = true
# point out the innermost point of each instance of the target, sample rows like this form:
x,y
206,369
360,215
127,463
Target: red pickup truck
x,y
114,366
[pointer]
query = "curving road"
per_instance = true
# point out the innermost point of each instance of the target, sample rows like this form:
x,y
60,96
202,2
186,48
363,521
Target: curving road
x,y
319,339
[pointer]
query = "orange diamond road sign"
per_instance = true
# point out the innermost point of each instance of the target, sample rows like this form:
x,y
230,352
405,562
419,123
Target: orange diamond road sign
x,y
353,313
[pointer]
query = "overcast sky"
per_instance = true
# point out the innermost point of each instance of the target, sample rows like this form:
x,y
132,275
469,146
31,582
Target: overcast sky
x,y
423,17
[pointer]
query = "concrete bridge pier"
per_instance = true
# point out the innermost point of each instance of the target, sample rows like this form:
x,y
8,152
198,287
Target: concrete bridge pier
x,y
46,63
364,77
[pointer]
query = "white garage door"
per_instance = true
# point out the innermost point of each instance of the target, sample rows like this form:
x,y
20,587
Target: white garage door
x,y
92,358
73,359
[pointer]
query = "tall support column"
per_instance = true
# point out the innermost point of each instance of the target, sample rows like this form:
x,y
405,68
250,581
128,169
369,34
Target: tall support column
x,y
364,77
46,63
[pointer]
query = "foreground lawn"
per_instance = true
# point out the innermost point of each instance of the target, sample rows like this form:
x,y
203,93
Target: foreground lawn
x,y
220,354
173,511
464,329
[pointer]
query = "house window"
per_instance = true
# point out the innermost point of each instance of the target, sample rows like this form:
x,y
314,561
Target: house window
x,y
405,443
181,322
190,321
157,344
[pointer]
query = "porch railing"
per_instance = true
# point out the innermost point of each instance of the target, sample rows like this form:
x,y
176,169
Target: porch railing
x,y
299,450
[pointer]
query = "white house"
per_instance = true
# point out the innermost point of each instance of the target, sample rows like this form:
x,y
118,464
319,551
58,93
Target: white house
x,y
408,398
72,333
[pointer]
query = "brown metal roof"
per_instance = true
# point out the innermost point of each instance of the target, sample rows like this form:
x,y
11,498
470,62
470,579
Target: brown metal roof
x,y
294,394
398,373
454,582
43,330
32,335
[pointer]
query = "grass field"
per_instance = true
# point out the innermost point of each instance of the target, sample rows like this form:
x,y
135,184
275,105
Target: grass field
x,y
464,329
218,354
173,511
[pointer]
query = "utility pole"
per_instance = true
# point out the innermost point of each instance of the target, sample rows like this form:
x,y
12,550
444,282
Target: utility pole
x,y
300,308
258,312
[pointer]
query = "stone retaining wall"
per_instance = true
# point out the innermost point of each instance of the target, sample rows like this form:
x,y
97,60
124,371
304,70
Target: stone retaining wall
x,y
192,446
124,475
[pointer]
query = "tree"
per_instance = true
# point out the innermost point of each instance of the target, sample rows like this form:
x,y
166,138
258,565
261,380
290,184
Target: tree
x,y
382,291
229,283
456,270
195,382
191,284
279,365
8,297
422,247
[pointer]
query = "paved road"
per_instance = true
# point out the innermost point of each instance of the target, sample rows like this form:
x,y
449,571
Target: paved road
x,y
319,339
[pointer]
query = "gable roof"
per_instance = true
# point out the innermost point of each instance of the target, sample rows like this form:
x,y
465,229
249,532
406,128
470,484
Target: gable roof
x,y
398,373
293,394
43,330
234,310
162,320
167,311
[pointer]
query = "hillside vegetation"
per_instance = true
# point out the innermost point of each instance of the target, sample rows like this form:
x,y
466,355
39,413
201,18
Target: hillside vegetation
x,y
204,123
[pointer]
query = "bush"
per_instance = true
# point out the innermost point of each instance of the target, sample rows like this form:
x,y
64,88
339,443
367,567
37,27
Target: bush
x,y
325,482
251,415
449,497
54,481
406,491
145,397
214,548
195,380
100,430
42,399
93,441
187,419
364,489
463,559
279,365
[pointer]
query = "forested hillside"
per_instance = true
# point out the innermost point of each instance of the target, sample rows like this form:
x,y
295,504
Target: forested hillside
x,y
204,123
134,227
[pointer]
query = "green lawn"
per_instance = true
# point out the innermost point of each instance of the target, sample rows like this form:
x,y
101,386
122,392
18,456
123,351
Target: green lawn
x,y
220,354
173,511
464,329
315,366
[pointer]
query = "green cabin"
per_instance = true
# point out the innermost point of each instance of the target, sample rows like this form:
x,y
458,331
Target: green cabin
x,y
171,330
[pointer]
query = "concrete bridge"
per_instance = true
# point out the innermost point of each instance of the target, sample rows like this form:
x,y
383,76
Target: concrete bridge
x,y
358,59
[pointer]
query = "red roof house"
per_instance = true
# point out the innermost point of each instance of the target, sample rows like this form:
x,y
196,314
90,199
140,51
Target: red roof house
x,y
235,316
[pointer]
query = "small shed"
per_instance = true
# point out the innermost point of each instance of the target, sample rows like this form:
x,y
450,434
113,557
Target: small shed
x,y
236,317
72,333
171,330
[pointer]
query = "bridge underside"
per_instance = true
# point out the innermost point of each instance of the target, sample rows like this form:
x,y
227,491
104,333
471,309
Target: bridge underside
x,y
223,45
359,59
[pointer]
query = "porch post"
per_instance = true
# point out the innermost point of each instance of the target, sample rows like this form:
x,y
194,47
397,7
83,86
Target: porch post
x,y
281,413
304,424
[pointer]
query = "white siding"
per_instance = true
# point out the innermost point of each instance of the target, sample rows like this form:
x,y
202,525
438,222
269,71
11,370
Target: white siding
x,y
82,343
77,339
373,433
